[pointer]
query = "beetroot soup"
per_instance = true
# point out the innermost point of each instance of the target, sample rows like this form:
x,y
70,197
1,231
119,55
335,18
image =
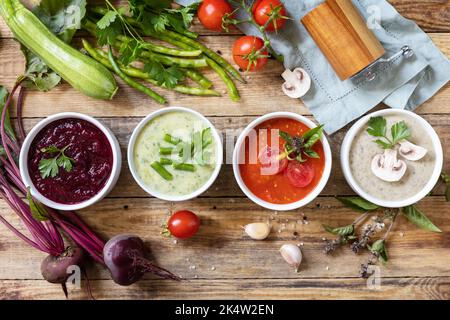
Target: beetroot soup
x,y
70,161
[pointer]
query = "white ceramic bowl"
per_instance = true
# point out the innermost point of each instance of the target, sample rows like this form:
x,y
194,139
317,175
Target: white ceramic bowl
x,y
281,207
115,172
345,163
159,195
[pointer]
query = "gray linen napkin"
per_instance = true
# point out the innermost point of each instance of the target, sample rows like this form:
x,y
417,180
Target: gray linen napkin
x,y
402,83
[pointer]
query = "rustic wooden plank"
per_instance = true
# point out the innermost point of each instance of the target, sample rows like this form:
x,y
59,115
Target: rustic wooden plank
x,y
430,15
422,288
257,97
221,243
230,127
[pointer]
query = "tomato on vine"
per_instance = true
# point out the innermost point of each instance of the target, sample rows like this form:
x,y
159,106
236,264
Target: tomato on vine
x,y
250,53
263,10
211,13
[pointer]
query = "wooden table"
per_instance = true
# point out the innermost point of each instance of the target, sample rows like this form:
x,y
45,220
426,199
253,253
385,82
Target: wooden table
x,y
227,264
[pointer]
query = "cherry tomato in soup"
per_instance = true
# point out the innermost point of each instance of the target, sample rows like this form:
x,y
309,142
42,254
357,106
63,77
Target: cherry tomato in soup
x,y
270,161
183,224
211,12
262,11
246,55
299,174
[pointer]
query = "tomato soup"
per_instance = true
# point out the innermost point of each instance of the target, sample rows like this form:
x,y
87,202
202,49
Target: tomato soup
x,y
277,188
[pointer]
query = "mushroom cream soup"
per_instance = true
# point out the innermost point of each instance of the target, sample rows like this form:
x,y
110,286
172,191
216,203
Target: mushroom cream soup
x,y
184,175
417,174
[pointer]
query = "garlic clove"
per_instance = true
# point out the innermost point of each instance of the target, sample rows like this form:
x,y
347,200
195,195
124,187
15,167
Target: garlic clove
x,y
292,255
411,152
257,230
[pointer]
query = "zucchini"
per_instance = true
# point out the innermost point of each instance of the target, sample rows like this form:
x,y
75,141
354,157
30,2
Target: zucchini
x,y
80,71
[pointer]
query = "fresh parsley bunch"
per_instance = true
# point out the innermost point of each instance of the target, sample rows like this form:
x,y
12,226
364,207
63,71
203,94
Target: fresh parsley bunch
x,y
114,23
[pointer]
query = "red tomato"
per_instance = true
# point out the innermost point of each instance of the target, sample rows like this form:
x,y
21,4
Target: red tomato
x,y
262,11
244,53
183,224
300,174
211,12
268,157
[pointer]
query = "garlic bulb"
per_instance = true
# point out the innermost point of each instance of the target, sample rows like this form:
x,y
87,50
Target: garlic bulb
x,y
292,255
257,230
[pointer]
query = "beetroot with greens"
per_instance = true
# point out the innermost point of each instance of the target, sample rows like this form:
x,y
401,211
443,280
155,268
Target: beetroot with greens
x,y
124,255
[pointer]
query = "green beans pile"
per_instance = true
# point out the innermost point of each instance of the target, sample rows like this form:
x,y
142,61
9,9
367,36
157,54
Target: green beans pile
x,y
200,140
186,53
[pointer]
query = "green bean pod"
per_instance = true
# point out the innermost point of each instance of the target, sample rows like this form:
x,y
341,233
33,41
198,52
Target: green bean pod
x,y
102,57
91,27
184,167
161,171
134,84
198,77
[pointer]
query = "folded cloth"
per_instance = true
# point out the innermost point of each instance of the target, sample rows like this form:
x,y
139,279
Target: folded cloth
x,y
401,83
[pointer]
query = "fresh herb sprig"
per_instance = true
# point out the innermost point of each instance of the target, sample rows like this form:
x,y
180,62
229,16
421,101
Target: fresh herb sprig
x,y
298,146
378,128
159,15
378,248
115,23
50,167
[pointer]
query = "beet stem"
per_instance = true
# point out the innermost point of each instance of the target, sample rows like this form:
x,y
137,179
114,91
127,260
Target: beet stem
x,y
19,115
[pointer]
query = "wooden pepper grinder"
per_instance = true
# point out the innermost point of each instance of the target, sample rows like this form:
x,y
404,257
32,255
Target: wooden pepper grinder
x,y
343,36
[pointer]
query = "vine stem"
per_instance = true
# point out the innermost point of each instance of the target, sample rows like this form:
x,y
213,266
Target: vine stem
x,y
390,226
360,218
261,29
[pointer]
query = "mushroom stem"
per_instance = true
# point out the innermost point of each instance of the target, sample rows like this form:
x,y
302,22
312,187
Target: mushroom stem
x,y
387,167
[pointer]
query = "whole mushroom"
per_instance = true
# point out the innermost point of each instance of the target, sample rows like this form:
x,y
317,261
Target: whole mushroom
x,y
298,83
410,151
387,167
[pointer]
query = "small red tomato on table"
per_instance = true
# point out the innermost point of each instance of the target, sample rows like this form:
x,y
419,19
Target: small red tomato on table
x,y
264,9
249,53
183,224
211,13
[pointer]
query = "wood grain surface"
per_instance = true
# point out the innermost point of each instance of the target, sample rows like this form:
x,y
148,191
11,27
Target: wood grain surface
x,y
228,264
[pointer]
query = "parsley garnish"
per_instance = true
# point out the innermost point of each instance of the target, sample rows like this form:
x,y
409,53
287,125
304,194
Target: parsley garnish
x,y
115,23
50,167
378,128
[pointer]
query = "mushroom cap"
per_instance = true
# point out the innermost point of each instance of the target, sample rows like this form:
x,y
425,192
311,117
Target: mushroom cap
x,y
411,152
387,167
298,83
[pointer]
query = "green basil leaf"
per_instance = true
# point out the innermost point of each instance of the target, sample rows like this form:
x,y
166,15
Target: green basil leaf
x,y
37,209
419,219
358,203
379,249
341,231
312,136
312,154
377,127
286,137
